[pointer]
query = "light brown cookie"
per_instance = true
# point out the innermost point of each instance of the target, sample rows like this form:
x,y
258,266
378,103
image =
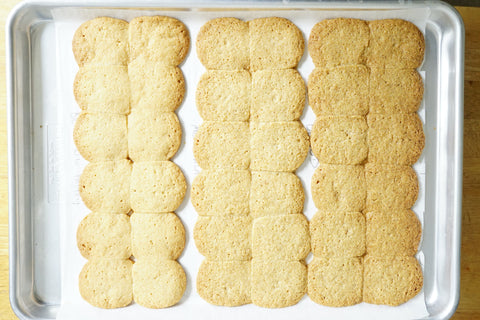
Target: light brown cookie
x,y
278,146
157,235
395,43
105,186
275,43
221,192
222,145
395,139
101,41
157,186
224,283
224,95
102,88
339,41
224,238
104,235
277,95
335,282
342,90
391,280
222,44
161,39
340,140
158,283
106,283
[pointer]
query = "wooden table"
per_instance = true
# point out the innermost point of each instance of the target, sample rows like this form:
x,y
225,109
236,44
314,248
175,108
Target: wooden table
x,y
469,307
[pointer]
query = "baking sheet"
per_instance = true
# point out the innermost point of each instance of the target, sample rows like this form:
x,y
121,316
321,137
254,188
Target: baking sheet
x,y
73,306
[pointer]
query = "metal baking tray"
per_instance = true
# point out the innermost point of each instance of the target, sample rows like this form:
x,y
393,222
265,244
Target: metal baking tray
x,y
35,208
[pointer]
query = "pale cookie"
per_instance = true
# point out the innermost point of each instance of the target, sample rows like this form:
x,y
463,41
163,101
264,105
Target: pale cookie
x,y
339,187
224,95
155,86
157,235
222,145
153,136
395,43
393,232
338,234
277,95
157,186
224,283
158,283
339,91
104,235
275,43
102,88
391,280
105,186
101,41
340,140
106,283
278,283
222,43
278,146
395,90
224,238
160,39
275,193
335,282
281,237
340,41
221,192
395,139
390,186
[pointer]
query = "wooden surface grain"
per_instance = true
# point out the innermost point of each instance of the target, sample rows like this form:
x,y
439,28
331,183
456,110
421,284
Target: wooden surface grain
x,y
469,307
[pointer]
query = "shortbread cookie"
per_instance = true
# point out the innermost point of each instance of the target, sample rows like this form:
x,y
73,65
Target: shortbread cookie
x,y
390,186
277,95
158,283
281,237
104,235
155,86
153,136
101,136
222,145
221,192
160,39
340,41
275,43
342,90
395,43
395,139
105,186
338,234
157,186
278,146
224,238
157,235
391,280
102,41
278,283
340,140
224,283
275,193
335,282
106,283
339,187
102,88
223,43
395,90
224,95
393,232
